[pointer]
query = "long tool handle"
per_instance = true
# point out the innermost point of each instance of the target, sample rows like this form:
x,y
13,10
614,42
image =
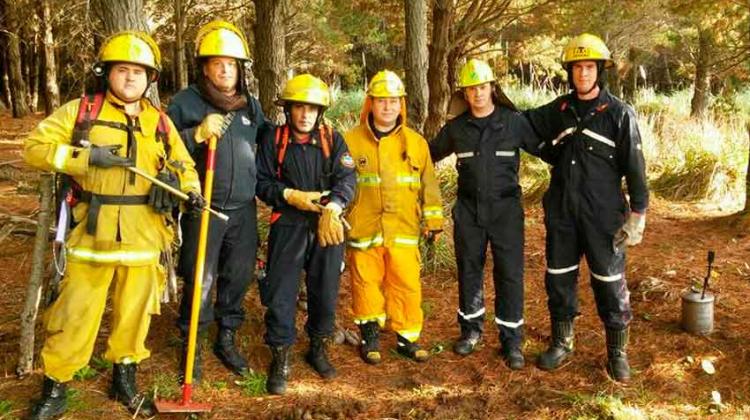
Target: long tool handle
x,y
200,262
181,195
711,256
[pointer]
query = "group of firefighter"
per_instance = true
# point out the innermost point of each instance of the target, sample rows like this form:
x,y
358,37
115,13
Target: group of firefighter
x,y
371,192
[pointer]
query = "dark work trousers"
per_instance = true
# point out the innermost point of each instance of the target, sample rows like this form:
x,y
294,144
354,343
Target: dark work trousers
x,y
230,263
506,240
291,249
570,236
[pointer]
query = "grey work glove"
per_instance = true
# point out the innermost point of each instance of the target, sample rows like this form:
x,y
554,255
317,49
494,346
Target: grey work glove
x,y
106,157
631,233
160,199
195,203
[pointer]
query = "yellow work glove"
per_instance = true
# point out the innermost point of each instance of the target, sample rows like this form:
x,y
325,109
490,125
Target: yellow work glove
x,y
210,126
330,228
303,200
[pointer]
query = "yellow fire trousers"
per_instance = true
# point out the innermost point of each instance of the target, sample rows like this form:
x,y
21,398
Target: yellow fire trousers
x,y
386,286
72,322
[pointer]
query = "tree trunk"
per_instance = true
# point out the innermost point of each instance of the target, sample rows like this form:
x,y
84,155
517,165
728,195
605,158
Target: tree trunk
x,y
437,73
34,287
123,15
16,81
34,62
699,103
270,54
747,176
7,100
51,90
180,73
416,62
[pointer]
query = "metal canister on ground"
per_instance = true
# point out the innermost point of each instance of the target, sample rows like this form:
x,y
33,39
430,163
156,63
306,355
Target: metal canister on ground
x,y
698,312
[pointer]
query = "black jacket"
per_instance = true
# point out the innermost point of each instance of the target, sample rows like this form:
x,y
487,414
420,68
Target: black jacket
x,y
487,160
235,170
306,169
591,154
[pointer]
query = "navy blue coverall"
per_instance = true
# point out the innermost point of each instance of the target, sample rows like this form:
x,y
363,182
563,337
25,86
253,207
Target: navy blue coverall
x,y
293,241
590,152
488,210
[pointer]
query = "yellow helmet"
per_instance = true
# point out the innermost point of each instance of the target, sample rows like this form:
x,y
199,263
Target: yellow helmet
x,y
386,84
307,89
587,47
221,39
129,47
475,72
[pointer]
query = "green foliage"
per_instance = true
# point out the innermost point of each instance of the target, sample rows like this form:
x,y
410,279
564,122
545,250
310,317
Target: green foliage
x,y
85,373
344,113
253,384
692,159
165,385
603,406
75,402
5,407
99,363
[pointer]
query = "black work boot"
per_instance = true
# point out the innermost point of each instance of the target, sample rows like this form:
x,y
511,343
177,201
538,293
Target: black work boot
x,y
561,346
411,349
227,352
370,348
467,343
124,390
197,361
513,356
617,359
53,402
318,359
278,372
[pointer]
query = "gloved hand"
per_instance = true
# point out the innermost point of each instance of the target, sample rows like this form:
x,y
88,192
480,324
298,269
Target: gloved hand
x,y
330,228
432,236
303,200
210,126
106,156
160,199
195,203
631,233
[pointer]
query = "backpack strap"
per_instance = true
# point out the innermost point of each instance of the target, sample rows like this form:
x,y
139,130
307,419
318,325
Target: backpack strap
x,y
281,142
326,144
162,132
88,111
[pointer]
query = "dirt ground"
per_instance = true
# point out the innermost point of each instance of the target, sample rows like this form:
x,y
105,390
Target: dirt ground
x,y
668,380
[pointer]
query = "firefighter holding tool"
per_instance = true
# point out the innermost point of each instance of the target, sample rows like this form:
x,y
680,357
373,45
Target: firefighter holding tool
x,y
122,221
305,172
218,104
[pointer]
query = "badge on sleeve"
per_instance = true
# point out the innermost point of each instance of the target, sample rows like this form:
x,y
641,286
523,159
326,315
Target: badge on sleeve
x,y
346,160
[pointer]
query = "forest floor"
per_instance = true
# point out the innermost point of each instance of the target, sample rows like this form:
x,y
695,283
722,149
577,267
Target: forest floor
x,y
668,378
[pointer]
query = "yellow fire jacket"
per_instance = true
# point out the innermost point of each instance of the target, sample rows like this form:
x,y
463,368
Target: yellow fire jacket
x,y
396,187
131,235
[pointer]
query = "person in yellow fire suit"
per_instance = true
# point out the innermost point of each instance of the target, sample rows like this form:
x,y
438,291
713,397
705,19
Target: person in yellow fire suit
x,y
397,200
122,222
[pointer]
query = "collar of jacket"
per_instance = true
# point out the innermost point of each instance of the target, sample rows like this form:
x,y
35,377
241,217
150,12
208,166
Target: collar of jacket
x,y
396,130
601,100
313,141
147,118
